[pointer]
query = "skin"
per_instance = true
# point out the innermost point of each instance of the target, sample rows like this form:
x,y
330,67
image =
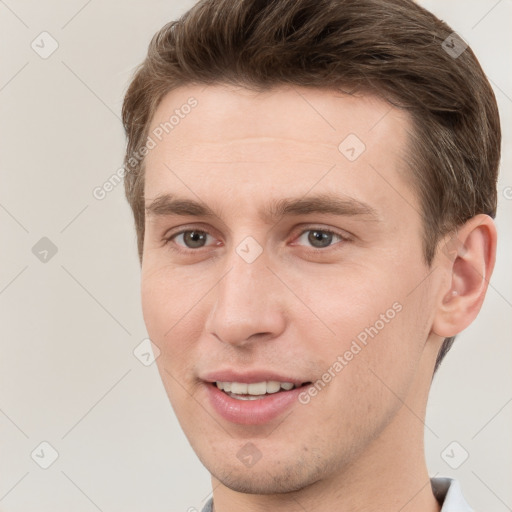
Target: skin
x,y
358,444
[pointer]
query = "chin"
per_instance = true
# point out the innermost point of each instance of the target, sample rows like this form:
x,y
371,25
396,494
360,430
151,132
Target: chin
x,y
261,482
267,478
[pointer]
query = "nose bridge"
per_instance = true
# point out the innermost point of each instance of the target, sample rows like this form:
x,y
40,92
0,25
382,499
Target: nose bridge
x,y
244,300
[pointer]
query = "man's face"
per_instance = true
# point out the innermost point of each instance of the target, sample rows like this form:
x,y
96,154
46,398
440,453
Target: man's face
x,y
245,297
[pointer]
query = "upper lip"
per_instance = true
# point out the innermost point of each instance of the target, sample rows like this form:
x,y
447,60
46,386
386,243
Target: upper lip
x,y
249,377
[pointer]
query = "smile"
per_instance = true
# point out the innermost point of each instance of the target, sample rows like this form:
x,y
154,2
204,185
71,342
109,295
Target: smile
x,y
254,390
254,403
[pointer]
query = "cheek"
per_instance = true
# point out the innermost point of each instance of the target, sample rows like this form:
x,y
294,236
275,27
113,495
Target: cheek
x,y
156,301
164,309
378,320
167,296
173,304
348,300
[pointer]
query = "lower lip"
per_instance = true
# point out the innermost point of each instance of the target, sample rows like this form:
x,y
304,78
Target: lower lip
x,y
251,412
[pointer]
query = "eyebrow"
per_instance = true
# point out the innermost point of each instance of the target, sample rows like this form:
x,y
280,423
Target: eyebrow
x,y
167,205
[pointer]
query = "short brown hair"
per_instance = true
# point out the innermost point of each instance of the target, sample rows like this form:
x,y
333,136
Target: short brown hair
x,y
394,49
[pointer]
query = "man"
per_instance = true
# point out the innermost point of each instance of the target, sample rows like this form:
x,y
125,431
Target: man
x,y
313,185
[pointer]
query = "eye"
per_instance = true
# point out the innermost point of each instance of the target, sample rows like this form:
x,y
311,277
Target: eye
x,y
195,239
320,238
190,239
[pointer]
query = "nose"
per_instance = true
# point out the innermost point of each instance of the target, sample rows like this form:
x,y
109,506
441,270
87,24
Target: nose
x,y
248,304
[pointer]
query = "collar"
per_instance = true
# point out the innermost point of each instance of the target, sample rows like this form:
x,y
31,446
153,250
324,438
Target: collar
x,y
449,494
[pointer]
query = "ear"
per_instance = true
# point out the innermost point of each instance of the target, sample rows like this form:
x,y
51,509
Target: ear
x,y
468,257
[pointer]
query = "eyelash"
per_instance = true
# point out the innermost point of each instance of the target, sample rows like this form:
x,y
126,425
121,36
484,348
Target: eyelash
x,y
179,248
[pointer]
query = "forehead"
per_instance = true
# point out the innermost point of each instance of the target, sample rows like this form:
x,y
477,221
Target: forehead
x,y
309,115
262,143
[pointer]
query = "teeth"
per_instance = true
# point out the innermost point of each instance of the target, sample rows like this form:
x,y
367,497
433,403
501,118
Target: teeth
x,y
245,397
255,388
239,388
273,386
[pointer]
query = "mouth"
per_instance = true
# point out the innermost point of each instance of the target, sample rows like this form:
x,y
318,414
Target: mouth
x,y
253,397
256,390
253,403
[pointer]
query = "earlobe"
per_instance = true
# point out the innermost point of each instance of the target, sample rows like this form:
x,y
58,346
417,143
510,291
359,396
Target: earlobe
x,y
468,257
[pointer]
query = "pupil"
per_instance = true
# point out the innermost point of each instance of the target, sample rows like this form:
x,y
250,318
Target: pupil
x,y
319,236
194,238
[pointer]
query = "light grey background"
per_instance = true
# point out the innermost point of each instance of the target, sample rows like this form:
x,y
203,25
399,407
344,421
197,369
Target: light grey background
x,y
68,375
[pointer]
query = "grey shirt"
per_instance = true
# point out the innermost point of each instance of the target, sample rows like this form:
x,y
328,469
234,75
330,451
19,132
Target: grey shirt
x,y
446,490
